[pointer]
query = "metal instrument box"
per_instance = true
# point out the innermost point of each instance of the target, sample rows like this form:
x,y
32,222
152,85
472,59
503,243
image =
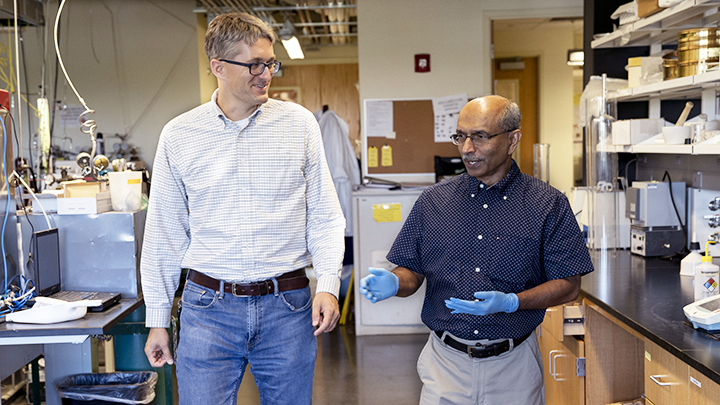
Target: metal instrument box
x,y
648,204
98,252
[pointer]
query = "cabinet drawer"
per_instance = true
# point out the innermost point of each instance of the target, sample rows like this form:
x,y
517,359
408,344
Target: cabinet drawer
x,y
702,390
565,320
666,381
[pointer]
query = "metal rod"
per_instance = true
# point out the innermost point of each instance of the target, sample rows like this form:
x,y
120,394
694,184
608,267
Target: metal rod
x,y
291,8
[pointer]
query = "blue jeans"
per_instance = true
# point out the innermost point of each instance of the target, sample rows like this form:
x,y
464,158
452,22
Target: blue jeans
x,y
221,333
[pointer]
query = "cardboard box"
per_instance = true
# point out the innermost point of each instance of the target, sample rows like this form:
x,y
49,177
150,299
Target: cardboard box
x,y
648,7
81,188
632,132
84,205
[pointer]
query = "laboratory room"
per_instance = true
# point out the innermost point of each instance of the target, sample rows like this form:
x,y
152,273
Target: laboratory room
x,y
285,202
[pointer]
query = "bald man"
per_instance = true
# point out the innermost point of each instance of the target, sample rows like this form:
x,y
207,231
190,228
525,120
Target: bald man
x,y
497,247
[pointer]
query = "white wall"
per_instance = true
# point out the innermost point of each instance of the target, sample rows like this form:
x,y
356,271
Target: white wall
x,y
556,113
133,61
456,34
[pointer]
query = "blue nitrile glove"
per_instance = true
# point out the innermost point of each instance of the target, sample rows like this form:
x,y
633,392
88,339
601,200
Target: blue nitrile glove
x,y
489,302
379,285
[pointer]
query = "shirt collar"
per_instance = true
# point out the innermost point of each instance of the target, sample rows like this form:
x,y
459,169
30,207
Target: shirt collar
x,y
502,186
225,121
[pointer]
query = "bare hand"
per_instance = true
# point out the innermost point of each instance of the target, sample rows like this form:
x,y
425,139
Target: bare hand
x,y
325,312
157,347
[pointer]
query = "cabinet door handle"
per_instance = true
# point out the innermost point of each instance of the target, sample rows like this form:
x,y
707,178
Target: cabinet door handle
x,y
656,378
555,377
551,363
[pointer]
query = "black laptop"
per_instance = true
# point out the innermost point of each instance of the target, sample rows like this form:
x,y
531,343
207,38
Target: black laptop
x,y
47,274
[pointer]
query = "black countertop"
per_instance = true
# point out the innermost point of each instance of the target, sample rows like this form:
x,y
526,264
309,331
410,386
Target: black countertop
x,y
649,295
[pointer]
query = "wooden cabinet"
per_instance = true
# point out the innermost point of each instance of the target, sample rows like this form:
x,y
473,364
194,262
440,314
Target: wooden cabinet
x,y
666,376
563,364
613,359
702,390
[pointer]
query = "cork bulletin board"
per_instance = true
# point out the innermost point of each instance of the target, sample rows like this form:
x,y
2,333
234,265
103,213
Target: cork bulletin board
x,y
414,147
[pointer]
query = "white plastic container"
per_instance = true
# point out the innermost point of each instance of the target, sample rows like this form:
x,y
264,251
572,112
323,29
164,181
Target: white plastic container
x,y
125,190
706,278
692,260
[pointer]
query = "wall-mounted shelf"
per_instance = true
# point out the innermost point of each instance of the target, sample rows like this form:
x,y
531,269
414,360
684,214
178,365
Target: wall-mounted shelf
x,y
662,27
683,87
656,145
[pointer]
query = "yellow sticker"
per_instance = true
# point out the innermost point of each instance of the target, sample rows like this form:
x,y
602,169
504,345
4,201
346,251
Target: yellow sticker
x,y
387,212
386,159
134,181
372,157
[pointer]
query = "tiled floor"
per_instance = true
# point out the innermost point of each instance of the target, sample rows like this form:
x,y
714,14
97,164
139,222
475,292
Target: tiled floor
x,y
352,370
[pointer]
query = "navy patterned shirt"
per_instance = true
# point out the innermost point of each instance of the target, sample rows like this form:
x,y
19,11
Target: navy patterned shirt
x,y
464,237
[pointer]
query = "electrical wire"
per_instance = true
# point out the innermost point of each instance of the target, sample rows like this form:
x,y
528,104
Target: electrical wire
x,y
7,207
684,250
88,126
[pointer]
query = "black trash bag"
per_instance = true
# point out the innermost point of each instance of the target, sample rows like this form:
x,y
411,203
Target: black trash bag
x,y
122,387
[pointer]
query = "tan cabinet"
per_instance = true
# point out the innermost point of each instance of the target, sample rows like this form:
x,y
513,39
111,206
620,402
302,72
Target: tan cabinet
x,y
666,376
563,361
702,390
564,369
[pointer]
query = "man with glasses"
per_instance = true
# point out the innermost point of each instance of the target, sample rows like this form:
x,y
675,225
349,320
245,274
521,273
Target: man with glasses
x,y
242,197
496,247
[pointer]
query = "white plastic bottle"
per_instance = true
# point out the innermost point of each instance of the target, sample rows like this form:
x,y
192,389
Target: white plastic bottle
x,y
707,275
689,262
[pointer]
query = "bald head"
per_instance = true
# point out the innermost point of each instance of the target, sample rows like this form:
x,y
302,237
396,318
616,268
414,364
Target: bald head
x,y
505,112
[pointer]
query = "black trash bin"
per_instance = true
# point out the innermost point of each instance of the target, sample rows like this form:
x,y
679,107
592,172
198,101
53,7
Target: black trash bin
x,y
108,388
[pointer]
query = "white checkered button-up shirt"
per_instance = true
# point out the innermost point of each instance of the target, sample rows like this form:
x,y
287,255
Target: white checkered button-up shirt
x,y
240,203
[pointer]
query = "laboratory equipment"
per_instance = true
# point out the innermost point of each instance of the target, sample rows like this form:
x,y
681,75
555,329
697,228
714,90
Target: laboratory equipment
x,y
602,174
705,313
655,215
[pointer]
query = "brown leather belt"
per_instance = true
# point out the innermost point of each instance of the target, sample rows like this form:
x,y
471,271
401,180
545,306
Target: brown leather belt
x,y
479,351
294,280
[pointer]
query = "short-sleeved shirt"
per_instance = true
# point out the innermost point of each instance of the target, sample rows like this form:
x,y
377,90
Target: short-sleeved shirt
x,y
464,237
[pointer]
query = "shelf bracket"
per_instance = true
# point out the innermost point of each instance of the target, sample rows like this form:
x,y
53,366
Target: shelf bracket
x,y
709,103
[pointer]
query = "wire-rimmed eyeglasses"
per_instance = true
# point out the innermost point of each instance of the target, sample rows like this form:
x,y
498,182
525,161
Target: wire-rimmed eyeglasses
x,y
257,68
477,138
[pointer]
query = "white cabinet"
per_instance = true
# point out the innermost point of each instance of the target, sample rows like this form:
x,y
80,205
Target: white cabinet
x,y
378,216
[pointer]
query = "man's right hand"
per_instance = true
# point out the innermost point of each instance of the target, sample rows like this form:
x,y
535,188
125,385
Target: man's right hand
x,y
379,285
157,347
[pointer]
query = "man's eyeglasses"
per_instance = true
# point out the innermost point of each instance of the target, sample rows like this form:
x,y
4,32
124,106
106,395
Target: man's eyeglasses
x,y
257,68
478,138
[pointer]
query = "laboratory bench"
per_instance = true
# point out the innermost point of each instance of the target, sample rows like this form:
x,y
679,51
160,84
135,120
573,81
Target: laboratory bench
x,y
66,345
635,340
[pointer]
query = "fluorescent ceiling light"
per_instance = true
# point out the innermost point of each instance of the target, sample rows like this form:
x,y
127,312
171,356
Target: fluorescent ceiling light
x,y
292,46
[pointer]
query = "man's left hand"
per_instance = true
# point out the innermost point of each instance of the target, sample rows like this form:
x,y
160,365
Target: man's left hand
x,y
325,312
488,302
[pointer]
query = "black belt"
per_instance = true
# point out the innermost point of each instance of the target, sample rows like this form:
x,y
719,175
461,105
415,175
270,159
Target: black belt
x,y
479,351
294,280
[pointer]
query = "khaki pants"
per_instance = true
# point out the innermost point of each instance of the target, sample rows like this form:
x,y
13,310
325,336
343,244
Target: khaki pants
x,y
452,377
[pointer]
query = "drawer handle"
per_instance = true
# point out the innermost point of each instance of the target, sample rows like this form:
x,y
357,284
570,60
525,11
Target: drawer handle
x,y
555,375
655,379
551,363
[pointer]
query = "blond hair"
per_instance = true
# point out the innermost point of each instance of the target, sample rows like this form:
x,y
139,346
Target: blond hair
x,y
226,30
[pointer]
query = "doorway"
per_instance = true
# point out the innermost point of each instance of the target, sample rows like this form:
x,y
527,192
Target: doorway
x,y
517,80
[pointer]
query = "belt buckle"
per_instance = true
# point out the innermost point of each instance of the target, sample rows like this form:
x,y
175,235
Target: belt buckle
x,y
234,292
477,346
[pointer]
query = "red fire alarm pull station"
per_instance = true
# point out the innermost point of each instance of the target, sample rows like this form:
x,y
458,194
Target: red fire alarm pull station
x,y
422,62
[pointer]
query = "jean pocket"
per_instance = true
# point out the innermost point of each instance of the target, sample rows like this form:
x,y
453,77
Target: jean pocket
x,y
198,297
297,300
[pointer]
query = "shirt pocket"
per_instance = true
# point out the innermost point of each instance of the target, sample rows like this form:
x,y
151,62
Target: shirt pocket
x,y
515,263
